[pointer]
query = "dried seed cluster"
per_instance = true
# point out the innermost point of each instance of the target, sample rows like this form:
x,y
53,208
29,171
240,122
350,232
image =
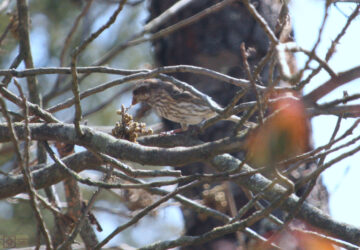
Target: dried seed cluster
x,y
127,129
215,198
137,199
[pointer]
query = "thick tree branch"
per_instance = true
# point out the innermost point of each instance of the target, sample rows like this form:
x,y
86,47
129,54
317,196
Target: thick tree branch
x,y
123,149
308,213
47,175
333,83
52,174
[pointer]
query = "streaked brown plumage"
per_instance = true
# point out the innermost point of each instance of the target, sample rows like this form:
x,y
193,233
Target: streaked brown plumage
x,y
173,103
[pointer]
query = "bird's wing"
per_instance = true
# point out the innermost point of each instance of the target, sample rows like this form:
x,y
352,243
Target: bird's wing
x,y
182,96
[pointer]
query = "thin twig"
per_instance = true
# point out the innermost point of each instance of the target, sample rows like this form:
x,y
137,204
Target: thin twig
x,y
136,76
34,108
252,81
69,240
136,173
7,29
313,181
312,53
331,50
108,70
72,32
328,239
293,47
322,168
75,54
216,232
227,111
135,40
24,164
68,39
166,31
264,25
166,15
342,100
25,49
146,210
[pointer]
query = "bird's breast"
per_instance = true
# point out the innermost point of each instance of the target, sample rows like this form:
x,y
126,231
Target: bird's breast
x,y
183,112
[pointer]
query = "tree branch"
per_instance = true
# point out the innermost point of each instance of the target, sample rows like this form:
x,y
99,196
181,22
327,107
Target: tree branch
x,y
52,174
123,149
333,83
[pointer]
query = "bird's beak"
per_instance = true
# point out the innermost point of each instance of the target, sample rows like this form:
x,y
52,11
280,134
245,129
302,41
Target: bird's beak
x,y
134,101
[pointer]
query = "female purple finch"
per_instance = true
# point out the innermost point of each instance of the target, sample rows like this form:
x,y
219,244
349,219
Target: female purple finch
x,y
173,103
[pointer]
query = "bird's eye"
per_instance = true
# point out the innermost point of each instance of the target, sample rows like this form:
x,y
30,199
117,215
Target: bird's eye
x,y
175,92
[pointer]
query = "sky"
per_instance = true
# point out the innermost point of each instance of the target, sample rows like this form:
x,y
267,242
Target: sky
x,y
341,179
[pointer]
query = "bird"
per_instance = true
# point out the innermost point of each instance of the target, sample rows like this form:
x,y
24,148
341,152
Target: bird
x,y
174,104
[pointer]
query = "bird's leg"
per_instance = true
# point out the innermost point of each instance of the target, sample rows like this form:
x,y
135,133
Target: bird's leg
x,y
183,128
171,132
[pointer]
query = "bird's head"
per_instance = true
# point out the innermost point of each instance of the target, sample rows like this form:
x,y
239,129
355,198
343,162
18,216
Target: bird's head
x,y
140,94
144,89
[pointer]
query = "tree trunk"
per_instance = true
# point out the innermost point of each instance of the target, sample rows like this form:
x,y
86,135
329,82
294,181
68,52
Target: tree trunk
x,y
214,43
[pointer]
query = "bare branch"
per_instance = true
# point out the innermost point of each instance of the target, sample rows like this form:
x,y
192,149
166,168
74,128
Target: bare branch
x,y
28,181
333,83
25,49
123,149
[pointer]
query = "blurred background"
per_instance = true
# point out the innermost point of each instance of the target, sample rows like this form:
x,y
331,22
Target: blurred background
x,y
50,24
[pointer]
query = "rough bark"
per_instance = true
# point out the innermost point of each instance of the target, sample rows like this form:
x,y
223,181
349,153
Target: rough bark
x,y
214,42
